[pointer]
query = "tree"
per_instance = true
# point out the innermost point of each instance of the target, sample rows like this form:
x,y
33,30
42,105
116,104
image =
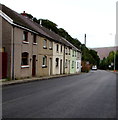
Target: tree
x,y
108,63
95,56
49,24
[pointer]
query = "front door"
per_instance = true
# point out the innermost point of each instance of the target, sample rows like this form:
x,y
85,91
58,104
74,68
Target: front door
x,y
50,68
69,66
61,66
33,65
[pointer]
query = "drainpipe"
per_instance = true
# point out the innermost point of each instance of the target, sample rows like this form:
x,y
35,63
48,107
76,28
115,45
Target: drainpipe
x,y
13,57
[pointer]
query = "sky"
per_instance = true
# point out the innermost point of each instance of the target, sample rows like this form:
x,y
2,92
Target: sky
x,y
95,18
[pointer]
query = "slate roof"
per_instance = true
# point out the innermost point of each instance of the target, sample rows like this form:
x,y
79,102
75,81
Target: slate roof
x,y
56,37
28,23
22,20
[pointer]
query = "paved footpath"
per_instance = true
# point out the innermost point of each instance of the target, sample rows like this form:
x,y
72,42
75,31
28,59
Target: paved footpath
x,y
20,81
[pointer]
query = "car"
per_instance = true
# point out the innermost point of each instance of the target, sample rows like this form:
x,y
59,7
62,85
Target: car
x,y
94,67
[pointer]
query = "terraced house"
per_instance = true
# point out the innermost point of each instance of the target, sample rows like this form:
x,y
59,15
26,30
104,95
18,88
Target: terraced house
x,y
31,50
58,52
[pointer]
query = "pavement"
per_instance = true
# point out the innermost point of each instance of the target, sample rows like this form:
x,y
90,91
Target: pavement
x,y
5,82
90,95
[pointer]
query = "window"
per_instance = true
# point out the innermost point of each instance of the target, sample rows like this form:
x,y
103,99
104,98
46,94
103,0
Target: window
x,y
66,64
50,45
69,51
25,36
61,48
57,48
73,53
34,38
57,62
45,44
3,49
24,61
66,51
72,64
77,65
44,64
77,54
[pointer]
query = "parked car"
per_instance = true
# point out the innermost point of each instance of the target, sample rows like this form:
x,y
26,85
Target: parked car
x,y
94,67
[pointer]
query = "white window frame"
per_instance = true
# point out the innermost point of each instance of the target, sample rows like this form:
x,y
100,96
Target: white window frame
x,y
45,44
50,45
44,61
22,64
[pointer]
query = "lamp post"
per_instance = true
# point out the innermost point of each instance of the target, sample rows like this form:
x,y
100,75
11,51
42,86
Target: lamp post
x,y
114,54
114,62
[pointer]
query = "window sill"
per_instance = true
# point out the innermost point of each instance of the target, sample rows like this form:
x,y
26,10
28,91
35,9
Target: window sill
x,y
50,48
34,43
44,66
44,47
25,66
25,42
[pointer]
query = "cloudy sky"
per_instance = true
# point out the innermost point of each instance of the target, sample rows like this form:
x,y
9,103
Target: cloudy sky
x,y
96,18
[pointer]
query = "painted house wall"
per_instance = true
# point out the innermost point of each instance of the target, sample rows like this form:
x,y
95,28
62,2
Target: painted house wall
x,y
57,69
78,62
20,47
44,71
67,60
73,62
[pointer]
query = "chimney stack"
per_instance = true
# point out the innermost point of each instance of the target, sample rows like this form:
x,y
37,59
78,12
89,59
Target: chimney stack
x,y
24,14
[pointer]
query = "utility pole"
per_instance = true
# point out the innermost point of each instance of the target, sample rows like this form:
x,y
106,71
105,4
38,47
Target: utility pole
x,y
115,56
85,39
114,62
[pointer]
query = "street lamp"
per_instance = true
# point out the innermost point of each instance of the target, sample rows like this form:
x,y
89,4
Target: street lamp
x,y
114,54
114,62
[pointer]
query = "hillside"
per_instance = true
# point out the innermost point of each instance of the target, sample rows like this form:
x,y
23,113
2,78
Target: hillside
x,y
104,51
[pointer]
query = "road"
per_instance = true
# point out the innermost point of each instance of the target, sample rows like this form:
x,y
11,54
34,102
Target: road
x,y
90,95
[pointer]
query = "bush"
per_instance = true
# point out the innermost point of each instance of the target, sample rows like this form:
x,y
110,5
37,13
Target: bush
x,y
85,67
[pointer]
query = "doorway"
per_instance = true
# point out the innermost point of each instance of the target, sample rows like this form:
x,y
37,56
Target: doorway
x,y
50,68
61,66
34,65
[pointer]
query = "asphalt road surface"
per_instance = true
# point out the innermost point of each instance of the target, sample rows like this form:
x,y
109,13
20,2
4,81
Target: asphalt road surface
x,y
90,95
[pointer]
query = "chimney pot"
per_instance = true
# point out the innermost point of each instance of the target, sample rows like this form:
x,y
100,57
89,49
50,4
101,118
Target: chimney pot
x,y
24,14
